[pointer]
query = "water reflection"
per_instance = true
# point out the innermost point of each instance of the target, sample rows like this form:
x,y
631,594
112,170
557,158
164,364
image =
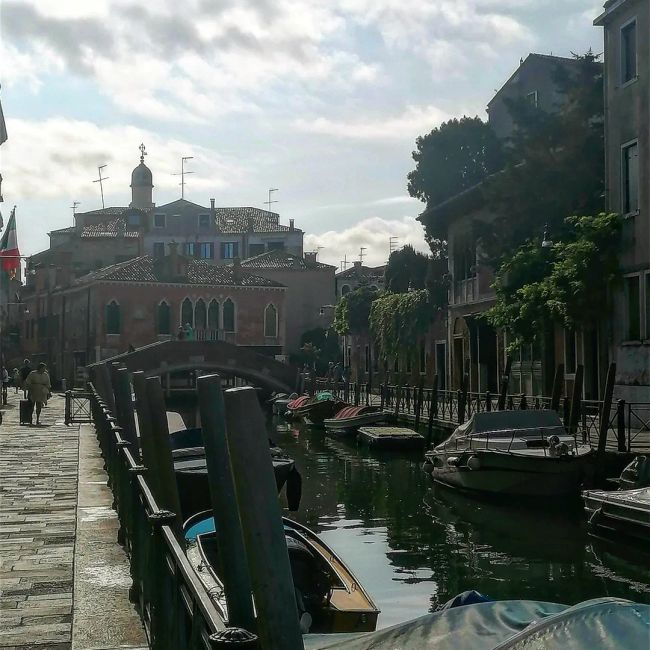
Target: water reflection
x,y
414,545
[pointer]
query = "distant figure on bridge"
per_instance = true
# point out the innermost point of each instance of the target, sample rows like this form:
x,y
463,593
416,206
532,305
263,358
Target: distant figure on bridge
x,y
38,387
338,372
189,332
181,333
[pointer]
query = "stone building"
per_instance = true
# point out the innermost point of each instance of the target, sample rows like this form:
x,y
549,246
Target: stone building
x,y
139,301
626,26
359,275
309,294
474,347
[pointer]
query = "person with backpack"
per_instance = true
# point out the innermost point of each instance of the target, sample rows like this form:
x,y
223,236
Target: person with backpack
x,y
24,373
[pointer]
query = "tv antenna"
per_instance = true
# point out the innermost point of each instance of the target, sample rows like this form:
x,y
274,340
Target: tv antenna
x,y
101,180
362,253
270,201
392,244
74,209
183,174
344,262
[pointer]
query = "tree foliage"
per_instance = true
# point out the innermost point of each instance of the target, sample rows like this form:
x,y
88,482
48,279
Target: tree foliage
x,y
353,311
406,268
453,157
554,164
568,283
318,347
398,320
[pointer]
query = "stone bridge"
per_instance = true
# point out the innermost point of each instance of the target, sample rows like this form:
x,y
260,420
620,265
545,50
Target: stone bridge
x,y
158,359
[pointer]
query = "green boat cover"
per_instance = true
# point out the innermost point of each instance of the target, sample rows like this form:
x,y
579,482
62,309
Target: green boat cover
x,y
602,623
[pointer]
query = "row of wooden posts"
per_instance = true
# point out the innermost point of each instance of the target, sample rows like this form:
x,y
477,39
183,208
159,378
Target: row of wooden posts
x,y
250,534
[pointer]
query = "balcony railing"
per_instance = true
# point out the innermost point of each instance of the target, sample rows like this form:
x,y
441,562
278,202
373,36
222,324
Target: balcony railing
x,y
465,291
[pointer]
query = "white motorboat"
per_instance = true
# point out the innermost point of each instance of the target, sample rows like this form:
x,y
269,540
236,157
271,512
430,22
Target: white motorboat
x,y
518,453
626,510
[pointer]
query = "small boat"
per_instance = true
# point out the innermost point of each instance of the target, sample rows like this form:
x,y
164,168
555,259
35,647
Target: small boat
x,y
329,597
318,408
192,472
294,405
625,511
348,419
279,403
391,438
516,453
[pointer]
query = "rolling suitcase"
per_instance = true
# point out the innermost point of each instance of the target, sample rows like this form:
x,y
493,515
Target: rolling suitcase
x,y
26,411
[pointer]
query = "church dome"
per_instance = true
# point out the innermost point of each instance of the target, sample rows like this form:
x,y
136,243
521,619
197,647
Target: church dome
x,y
141,176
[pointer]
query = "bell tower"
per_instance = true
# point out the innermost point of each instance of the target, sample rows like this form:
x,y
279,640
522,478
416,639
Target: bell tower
x,y
142,184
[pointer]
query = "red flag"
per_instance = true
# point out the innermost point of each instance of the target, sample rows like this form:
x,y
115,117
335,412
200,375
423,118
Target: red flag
x,y
9,255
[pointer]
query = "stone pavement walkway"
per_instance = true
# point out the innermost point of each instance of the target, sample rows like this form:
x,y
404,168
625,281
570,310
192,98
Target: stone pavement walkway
x,y
42,602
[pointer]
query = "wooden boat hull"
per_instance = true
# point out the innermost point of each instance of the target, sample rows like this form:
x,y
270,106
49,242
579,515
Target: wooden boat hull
x,y
618,512
511,474
347,608
350,426
316,413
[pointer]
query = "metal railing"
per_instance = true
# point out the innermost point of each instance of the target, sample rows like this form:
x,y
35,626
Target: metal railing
x,y
175,607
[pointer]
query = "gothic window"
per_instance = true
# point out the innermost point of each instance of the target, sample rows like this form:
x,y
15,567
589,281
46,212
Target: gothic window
x,y
200,315
187,312
213,315
113,318
229,315
164,318
270,321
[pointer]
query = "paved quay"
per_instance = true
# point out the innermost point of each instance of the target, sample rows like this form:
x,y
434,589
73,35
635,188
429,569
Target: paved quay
x,y
63,578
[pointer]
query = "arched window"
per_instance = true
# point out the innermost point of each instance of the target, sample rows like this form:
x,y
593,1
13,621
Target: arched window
x,y
113,320
213,315
270,321
187,312
345,289
163,318
200,314
229,315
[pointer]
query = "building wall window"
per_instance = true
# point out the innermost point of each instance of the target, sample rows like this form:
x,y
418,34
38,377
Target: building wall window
x,y
204,221
229,315
628,52
206,250
190,248
270,321
276,246
423,357
158,250
532,98
113,319
187,312
441,365
213,315
632,308
345,289
159,221
229,250
200,314
163,318
630,178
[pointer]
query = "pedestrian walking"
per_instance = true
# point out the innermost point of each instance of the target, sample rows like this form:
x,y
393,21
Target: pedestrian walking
x,y
181,333
38,388
15,378
24,373
5,384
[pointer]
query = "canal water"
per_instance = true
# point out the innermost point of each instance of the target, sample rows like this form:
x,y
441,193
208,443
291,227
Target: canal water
x,y
414,545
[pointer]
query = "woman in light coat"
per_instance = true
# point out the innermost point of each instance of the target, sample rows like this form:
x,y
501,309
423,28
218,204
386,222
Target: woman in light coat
x,y
38,388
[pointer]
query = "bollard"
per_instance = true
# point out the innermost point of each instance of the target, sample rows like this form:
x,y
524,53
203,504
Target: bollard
x,y
261,519
233,567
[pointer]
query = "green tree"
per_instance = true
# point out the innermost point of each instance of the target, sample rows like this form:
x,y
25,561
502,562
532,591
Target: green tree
x,y
453,157
318,346
353,311
568,283
554,165
406,268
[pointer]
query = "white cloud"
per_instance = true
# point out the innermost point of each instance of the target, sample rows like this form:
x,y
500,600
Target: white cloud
x,y
59,158
413,121
372,233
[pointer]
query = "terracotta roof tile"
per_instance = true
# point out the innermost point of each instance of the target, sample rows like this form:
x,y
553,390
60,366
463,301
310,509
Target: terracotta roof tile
x,y
109,228
282,260
238,220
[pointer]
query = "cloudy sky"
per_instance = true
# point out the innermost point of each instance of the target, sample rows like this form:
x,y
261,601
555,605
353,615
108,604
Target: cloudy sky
x,y
322,99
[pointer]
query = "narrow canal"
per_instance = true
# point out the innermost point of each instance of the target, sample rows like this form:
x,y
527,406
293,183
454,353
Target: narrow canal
x,y
414,546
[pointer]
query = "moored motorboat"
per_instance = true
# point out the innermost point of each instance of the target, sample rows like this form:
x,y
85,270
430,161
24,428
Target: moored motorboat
x,y
625,511
329,597
516,453
318,408
294,405
191,472
348,419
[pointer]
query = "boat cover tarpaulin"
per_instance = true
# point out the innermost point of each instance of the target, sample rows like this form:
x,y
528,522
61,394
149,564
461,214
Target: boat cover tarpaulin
x,y
603,623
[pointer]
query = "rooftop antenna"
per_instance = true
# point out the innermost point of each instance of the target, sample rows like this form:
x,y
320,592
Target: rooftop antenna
x,y
101,180
344,262
362,253
392,245
74,209
183,173
270,201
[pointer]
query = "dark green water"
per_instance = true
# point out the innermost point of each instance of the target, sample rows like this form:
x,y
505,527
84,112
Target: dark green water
x,y
414,546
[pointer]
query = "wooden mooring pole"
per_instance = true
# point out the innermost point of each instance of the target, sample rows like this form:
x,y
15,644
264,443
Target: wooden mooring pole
x,y
503,389
233,567
558,387
576,399
261,519
604,415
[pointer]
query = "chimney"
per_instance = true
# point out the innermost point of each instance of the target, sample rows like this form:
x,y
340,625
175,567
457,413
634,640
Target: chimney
x,y
236,270
357,264
213,213
310,257
291,225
